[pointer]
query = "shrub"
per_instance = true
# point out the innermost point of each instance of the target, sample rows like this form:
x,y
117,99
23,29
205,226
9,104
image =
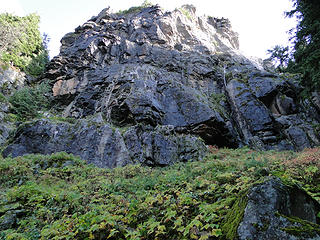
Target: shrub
x,y
28,101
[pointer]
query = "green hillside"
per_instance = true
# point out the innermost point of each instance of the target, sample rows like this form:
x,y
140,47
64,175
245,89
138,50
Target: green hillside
x,y
61,197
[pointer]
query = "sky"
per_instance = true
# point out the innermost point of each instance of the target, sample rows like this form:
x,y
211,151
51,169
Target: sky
x,y
260,23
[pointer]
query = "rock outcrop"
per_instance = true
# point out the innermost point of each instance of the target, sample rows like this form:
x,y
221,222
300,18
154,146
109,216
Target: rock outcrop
x,y
277,211
104,145
11,79
171,70
6,123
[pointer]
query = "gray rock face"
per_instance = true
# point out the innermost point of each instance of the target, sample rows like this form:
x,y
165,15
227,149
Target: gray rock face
x,y
6,123
166,70
163,69
11,79
140,69
161,146
253,114
104,145
300,132
268,112
269,206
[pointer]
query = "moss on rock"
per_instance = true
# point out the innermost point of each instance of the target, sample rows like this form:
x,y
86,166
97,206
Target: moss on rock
x,y
301,228
234,217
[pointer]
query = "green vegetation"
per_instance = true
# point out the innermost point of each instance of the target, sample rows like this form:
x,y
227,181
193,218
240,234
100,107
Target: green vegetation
x,y
135,9
63,119
21,43
280,55
234,217
61,197
2,98
217,99
305,55
305,229
186,13
28,101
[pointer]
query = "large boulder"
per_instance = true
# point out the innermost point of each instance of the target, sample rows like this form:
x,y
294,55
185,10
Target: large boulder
x,y
105,145
278,211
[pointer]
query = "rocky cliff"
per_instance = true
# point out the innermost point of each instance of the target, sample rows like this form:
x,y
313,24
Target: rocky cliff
x,y
153,87
158,82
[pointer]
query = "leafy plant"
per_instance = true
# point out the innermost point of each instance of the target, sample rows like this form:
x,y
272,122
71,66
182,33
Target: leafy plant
x,y
217,100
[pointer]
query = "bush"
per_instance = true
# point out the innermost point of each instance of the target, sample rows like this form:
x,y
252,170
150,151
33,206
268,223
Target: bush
x,y
28,101
37,64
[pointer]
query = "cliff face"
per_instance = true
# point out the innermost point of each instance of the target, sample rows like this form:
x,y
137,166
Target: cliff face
x,y
155,77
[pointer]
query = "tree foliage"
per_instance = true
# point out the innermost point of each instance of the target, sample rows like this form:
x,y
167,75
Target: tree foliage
x,y
280,56
27,102
304,57
306,40
21,43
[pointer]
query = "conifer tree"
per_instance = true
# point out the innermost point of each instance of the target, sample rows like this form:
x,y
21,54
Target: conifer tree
x,y
21,43
306,39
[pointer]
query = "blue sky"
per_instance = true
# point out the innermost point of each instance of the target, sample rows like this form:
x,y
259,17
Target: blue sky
x,y
260,23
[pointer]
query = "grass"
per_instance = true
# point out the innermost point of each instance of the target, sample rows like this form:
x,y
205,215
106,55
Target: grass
x,y
61,197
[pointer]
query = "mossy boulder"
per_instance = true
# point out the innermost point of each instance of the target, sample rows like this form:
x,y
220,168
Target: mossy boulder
x,y
279,211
